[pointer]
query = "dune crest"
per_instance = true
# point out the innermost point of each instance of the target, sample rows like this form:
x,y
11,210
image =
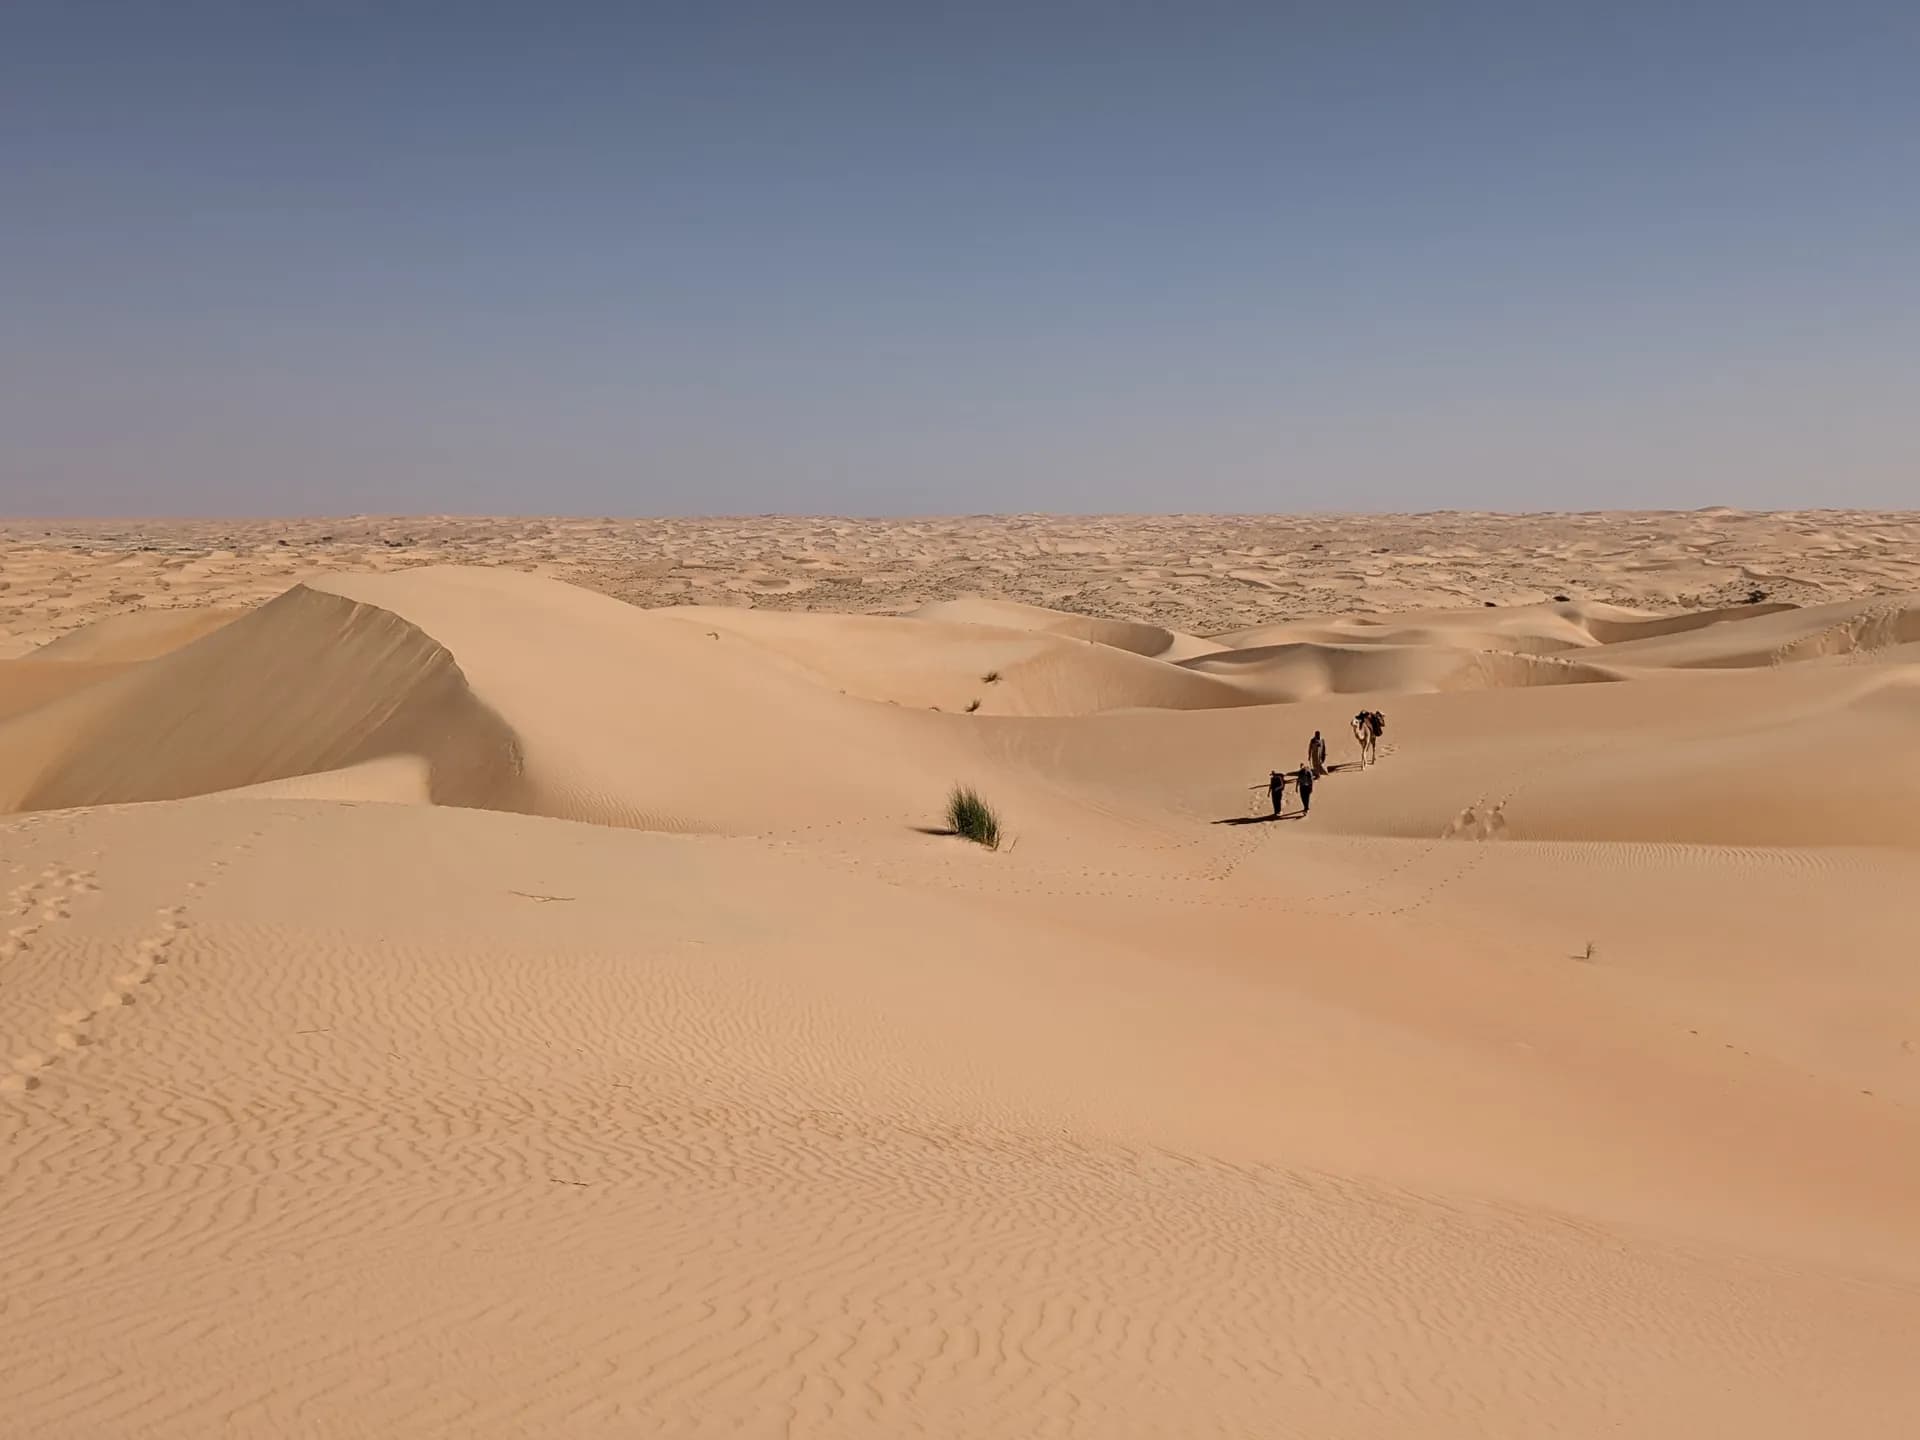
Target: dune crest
x,y
310,682
500,690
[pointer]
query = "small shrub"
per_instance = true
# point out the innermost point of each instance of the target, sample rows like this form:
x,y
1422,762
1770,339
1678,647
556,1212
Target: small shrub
x,y
972,706
992,677
972,818
1756,596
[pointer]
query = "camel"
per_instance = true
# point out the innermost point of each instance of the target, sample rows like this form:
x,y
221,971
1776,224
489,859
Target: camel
x,y
1367,726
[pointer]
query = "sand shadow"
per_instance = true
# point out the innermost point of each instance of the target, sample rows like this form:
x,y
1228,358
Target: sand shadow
x,y
1259,819
942,832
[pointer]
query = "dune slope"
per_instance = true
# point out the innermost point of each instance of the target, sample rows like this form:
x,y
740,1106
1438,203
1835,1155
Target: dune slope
x,y
1557,1075
554,1128
311,682
508,691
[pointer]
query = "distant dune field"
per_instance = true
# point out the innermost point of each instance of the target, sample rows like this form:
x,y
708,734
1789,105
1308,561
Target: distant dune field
x,y
490,978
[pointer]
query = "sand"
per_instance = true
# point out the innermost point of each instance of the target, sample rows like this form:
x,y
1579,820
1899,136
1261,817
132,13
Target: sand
x,y
512,981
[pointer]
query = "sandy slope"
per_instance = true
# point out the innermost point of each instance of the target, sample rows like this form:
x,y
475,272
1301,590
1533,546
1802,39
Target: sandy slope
x,y
756,1108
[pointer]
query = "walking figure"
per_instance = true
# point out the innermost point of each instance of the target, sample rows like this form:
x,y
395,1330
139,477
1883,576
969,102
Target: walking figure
x,y
1303,782
1317,754
1277,790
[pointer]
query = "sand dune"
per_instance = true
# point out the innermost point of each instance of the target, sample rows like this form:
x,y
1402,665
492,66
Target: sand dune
x,y
1305,670
1149,640
479,675
1777,637
28,684
310,682
1543,629
137,635
449,1000
1192,575
944,663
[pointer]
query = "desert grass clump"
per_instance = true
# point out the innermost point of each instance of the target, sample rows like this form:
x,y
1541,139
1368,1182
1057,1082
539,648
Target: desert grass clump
x,y
992,677
972,818
973,707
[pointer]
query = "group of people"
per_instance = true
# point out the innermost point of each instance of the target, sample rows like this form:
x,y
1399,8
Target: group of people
x,y
1368,725
1302,782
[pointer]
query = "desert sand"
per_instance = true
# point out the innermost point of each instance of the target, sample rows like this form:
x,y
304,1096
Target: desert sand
x,y
508,978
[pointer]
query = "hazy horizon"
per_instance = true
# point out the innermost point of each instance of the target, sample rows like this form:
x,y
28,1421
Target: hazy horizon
x,y
184,517
846,260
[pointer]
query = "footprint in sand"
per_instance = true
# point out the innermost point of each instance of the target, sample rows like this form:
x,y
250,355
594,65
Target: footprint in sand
x,y
73,1028
1473,823
44,901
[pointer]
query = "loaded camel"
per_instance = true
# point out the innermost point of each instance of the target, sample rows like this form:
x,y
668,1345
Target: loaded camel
x,y
1367,728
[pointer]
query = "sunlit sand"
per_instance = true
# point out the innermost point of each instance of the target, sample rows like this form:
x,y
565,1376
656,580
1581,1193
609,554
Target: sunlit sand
x,y
490,978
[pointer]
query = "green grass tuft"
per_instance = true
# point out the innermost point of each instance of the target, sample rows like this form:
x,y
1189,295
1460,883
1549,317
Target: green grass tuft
x,y
971,817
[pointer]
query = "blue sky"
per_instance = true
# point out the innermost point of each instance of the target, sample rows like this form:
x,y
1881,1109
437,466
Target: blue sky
x,y
898,258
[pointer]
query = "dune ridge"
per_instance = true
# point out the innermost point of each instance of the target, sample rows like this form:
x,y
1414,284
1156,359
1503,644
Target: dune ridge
x,y
310,682
448,999
520,693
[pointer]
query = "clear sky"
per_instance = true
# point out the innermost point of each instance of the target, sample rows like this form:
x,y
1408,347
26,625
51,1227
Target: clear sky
x,y
899,257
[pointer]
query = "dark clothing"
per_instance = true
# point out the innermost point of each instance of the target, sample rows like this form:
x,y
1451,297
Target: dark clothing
x,y
1304,782
1277,789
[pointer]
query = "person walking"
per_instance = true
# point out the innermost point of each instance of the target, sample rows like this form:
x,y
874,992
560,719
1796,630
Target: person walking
x,y
1277,790
1303,782
1317,755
